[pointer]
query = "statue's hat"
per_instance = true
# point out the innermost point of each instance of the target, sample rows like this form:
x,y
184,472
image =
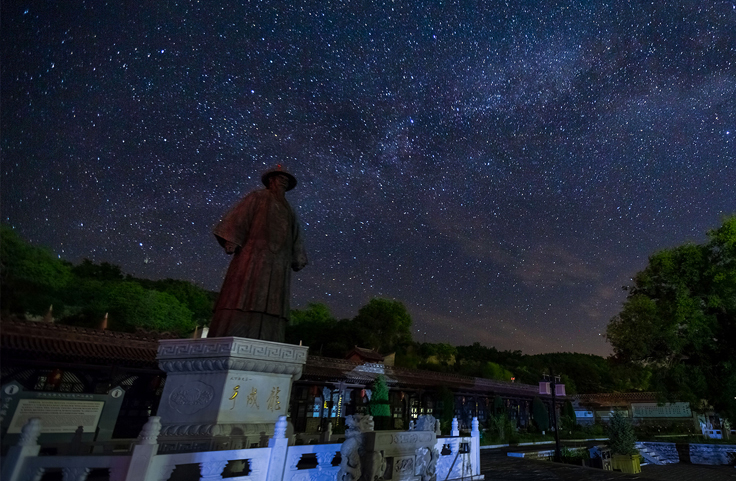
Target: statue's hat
x,y
278,170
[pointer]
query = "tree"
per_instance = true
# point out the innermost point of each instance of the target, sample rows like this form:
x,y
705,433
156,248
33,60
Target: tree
x,y
540,414
446,407
384,324
32,277
379,406
102,272
491,370
498,405
198,300
131,306
315,327
679,321
568,418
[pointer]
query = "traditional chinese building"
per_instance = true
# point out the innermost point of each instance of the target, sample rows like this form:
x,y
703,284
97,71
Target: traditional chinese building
x,y
640,407
43,356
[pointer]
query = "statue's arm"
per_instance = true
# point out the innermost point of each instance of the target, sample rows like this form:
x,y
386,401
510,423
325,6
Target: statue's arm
x,y
232,231
299,253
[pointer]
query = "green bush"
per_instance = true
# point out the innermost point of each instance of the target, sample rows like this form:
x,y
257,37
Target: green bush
x,y
574,454
652,429
379,405
500,430
540,414
621,436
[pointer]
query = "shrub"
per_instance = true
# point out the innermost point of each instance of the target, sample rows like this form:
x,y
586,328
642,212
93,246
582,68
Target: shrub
x,y
379,406
540,414
621,436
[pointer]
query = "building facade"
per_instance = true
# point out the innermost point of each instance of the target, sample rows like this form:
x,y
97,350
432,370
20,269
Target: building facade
x,y
43,356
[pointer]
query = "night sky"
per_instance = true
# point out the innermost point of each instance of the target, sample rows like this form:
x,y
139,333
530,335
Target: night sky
x,y
501,168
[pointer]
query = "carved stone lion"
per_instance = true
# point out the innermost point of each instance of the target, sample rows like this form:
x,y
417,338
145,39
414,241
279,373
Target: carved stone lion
x,y
425,423
351,449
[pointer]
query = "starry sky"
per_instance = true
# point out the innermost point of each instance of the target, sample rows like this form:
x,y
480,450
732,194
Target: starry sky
x,y
501,168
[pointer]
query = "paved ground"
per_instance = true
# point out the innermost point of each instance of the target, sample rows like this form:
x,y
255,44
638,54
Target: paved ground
x,y
496,465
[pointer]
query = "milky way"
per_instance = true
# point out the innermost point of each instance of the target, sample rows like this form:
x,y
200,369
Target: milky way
x,y
502,169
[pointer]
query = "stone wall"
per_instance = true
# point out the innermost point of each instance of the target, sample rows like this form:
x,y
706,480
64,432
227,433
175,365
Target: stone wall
x,y
715,454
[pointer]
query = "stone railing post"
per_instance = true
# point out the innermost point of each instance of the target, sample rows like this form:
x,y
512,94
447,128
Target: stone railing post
x,y
27,447
279,445
455,429
144,452
475,446
327,433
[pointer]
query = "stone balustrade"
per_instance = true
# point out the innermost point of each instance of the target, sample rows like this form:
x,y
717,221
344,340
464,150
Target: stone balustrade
x,y
412,455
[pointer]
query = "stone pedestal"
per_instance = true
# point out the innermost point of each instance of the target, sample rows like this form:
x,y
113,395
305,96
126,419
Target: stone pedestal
x,y
224,393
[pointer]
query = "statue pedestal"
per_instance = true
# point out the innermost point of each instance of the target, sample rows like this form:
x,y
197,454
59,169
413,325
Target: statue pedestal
x,y
224,392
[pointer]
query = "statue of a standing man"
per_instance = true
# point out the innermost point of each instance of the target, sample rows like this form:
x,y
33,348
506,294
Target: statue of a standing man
x,y
263,233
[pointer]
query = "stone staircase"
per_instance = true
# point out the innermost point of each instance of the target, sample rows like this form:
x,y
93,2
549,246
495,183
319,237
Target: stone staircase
x,y
657,453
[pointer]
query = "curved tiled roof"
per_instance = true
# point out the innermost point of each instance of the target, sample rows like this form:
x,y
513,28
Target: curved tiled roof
x,y
334,370
607,398
43,341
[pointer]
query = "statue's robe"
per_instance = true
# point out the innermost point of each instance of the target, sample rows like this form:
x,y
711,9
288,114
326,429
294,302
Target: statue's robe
x,y
254,299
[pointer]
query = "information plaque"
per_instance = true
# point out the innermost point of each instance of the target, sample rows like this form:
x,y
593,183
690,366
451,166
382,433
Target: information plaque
x,y
57,416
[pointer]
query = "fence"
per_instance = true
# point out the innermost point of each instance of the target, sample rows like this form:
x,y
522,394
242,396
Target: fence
x,y
456,458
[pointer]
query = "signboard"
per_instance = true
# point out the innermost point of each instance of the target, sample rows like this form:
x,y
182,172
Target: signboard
x,y
584,414
669,410
57,416
608,414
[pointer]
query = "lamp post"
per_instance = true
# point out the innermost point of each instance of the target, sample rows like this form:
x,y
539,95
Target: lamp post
x,y
553,384
558,455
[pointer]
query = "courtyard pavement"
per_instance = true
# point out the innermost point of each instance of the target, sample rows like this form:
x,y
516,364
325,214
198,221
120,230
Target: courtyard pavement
x,y
496,465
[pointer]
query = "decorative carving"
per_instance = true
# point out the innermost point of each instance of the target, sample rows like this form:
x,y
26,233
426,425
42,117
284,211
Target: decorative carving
x,y
34,473
212,470
293,460
74,474
233,347
325,459
350,451
30,432
225,364
279,430
151,430
403,466
425,423
374,465
191,397
257,466
404,438
426,465
209,429
165,470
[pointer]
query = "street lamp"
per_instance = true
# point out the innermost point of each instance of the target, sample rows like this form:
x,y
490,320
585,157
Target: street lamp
x,y
557,389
